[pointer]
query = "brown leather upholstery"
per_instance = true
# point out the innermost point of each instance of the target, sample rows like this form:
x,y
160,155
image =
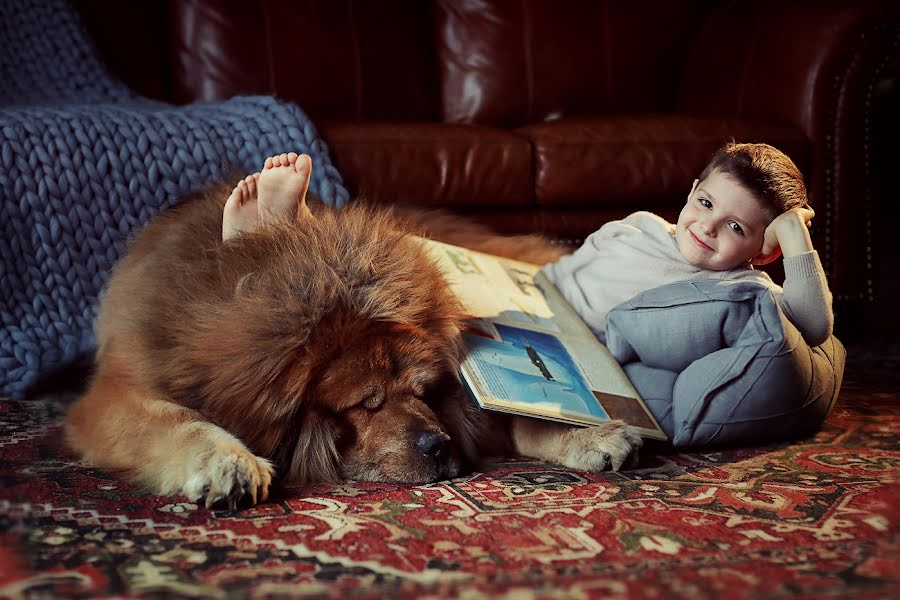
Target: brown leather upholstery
x,y
514,63
348,60
556,116
612,160
434,163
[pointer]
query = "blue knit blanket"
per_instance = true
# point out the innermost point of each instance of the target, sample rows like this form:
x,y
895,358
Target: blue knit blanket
x,y
84,161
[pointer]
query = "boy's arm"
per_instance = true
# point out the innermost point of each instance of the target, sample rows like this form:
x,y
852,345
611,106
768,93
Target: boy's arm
x,y
807,299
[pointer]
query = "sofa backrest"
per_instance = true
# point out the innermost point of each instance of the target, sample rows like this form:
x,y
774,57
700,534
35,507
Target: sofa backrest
x,y
509,63
358,60
490,62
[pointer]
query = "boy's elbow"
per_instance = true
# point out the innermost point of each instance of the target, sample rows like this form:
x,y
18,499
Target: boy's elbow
x,y
819,335
816,340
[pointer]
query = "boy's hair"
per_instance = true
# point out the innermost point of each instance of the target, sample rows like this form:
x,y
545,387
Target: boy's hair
x,y
764,171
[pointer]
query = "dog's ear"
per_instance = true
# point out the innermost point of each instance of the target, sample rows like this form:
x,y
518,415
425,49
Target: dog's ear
x,y
316,458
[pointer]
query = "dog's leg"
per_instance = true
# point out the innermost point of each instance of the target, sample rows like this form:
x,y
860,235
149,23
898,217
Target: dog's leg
x,y
610,445
162,445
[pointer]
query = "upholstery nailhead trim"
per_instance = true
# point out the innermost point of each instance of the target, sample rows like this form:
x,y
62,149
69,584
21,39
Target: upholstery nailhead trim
x,y
867,294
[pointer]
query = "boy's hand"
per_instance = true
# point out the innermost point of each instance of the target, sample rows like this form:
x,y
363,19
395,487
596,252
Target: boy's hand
x,y
788,234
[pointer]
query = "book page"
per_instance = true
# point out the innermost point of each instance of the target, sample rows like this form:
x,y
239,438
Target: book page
x,y
532,373
526,364
501,291
528,350
508,292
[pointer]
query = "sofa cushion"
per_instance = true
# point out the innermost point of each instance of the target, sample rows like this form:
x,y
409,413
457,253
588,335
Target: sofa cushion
x,y
433,163
612,159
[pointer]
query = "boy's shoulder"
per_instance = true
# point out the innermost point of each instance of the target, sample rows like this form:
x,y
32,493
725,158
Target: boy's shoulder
x,y
645,216
649,222
641,224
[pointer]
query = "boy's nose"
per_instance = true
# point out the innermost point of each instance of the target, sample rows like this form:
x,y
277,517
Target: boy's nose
x,y
708,228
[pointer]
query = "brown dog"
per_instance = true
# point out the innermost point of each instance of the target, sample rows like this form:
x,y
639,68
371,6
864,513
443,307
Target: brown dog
x,y
320,351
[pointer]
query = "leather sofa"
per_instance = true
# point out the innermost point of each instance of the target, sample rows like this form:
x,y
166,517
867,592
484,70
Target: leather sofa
x,y
552,116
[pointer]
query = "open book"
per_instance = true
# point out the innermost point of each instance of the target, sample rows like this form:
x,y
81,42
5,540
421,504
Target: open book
x,y
528,352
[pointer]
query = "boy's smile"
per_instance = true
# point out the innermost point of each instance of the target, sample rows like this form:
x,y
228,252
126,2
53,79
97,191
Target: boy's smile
x,y
699,242
722,225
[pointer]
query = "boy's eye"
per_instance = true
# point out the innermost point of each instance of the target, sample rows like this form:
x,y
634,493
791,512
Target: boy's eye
x,y
705,202
736,228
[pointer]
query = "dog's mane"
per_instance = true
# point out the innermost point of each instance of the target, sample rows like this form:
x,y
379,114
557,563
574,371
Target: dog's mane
x,y
238,330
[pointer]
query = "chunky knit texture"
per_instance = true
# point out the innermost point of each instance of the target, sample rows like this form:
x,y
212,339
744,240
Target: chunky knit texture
x,y
84,161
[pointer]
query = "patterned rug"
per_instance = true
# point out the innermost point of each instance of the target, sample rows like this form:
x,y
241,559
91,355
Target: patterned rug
x,y
814,519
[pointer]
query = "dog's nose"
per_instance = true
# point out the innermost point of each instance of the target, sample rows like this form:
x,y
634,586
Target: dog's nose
x,y
431,443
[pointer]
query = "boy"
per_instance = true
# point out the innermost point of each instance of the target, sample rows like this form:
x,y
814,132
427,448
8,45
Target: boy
x,y
747,207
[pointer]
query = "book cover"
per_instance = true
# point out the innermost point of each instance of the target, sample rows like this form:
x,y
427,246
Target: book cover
x,y
528,352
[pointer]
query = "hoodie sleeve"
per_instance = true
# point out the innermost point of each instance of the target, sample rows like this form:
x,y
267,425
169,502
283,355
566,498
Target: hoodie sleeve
x,y
806,300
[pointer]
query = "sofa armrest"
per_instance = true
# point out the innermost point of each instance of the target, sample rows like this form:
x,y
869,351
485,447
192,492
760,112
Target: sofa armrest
x,y
814,66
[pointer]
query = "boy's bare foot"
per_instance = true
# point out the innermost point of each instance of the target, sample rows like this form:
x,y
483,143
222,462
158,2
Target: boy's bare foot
x,y
283,184
277,192
240,213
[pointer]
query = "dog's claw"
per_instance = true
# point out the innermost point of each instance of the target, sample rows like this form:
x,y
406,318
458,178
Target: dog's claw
x,y
231,474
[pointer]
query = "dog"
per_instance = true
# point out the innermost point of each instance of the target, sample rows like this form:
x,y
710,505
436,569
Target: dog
x,y
299,353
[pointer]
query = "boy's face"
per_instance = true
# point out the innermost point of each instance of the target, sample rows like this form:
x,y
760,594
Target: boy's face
x,y
722,225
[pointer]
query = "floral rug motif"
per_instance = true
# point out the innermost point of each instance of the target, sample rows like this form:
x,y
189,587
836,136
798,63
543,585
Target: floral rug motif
x,y
814,519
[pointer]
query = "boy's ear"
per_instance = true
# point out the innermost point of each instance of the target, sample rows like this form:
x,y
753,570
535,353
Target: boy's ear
x,y
763,259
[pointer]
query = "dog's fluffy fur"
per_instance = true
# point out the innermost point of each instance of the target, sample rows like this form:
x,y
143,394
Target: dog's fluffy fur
x,y
318,350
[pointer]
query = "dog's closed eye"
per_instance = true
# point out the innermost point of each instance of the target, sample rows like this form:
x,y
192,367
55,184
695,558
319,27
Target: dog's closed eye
x,y
374,398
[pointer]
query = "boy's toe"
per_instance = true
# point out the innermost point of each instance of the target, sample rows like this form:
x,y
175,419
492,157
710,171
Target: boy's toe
x,y
303,164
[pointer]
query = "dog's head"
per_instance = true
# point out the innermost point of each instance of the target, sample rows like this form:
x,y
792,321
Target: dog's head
x,y
377,403
344,341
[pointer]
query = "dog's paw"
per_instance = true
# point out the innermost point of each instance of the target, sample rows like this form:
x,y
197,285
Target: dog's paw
x,y
230,473
607,446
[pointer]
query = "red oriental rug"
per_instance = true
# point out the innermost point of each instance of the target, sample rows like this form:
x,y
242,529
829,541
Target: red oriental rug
x,y
813,519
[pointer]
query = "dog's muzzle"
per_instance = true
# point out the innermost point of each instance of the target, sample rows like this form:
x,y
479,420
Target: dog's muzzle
x,y
435,447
